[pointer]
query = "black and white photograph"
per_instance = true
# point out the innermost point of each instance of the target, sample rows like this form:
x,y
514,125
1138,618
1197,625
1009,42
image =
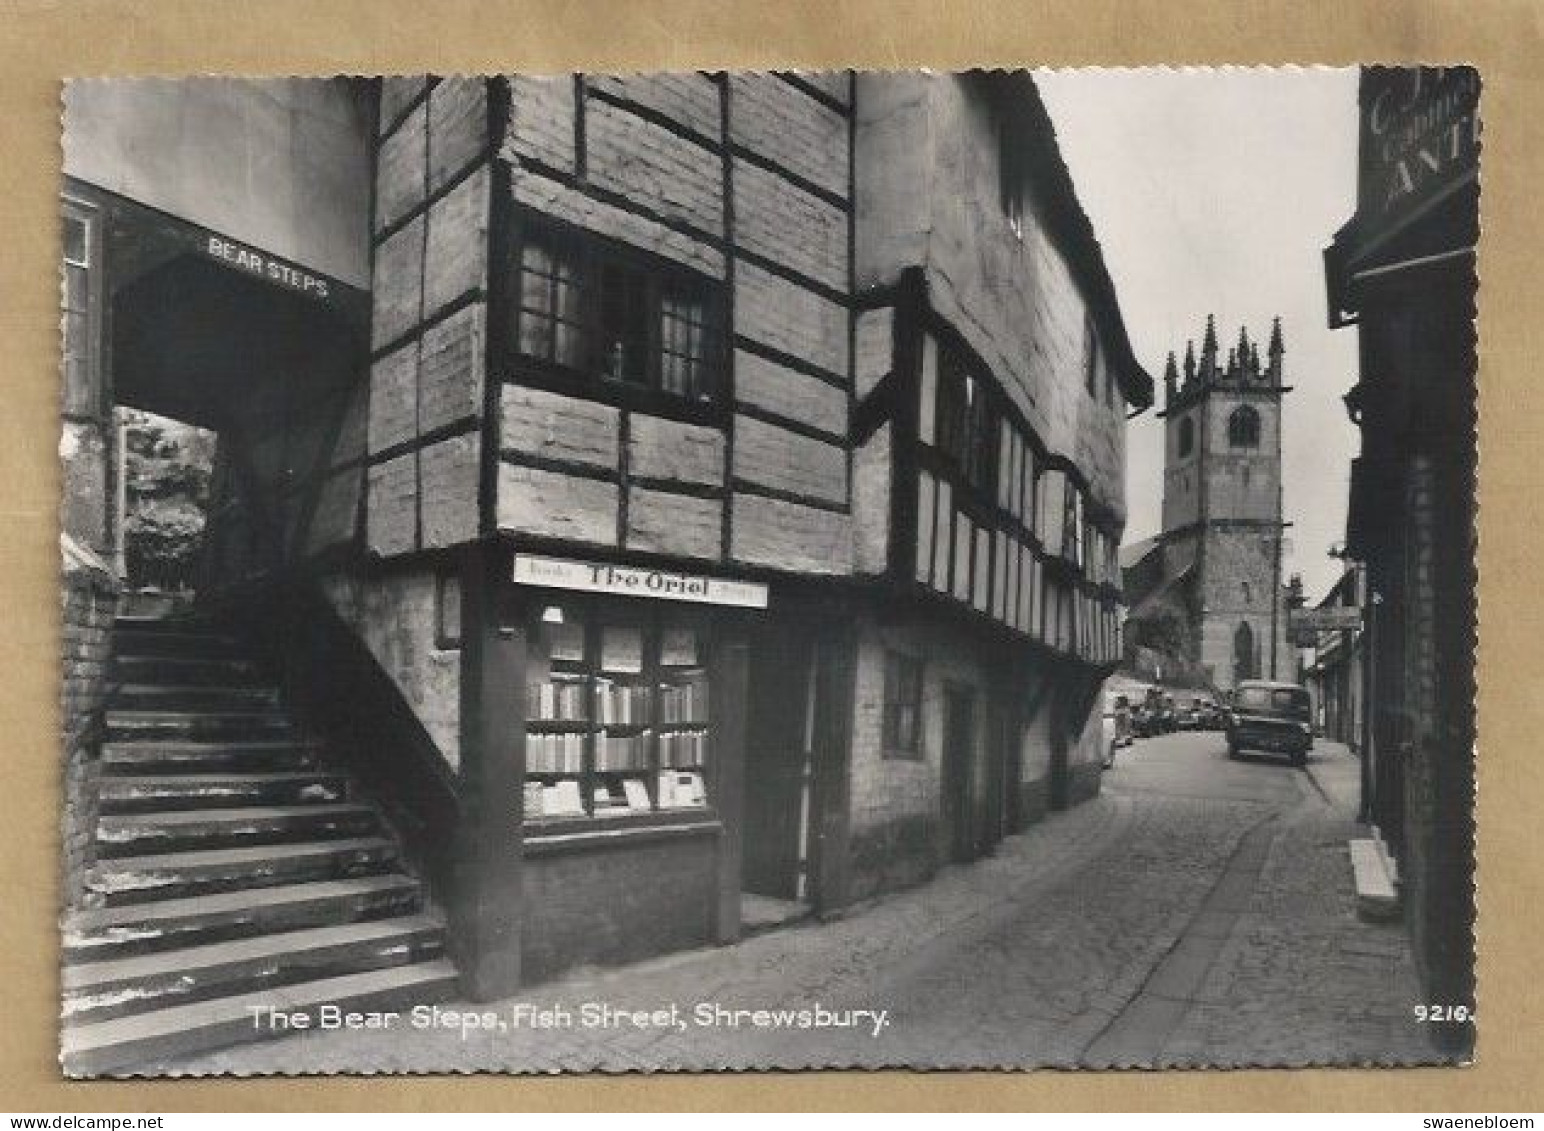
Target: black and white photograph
x,y
761,570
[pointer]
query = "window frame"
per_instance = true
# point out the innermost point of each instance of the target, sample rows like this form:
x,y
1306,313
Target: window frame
x,y
84,402
903,674
1240,435
969,425
590,259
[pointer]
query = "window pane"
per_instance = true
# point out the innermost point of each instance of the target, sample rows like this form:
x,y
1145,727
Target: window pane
x,y
77,241
924,526
684,346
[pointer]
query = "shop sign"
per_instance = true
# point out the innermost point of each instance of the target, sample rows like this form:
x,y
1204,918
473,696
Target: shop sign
x,y
259,263
1334,618
637,581
1420,137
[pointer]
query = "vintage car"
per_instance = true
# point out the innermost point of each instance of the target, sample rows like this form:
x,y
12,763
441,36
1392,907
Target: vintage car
x,y
1272,718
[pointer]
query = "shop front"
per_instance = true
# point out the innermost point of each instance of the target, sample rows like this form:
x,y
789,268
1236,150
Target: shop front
x,y
1403,271
675,744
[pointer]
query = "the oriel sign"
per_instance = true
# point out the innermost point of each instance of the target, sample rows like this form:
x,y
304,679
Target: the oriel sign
x,y
637,581
1420,137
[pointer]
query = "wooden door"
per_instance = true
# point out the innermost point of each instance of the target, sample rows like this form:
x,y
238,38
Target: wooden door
x,y
958,761
776,761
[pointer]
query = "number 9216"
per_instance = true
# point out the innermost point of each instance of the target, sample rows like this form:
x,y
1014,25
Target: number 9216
x,y
1439,1012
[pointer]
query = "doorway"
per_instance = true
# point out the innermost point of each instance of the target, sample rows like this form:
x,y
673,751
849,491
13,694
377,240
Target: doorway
x,y
958,761
776,870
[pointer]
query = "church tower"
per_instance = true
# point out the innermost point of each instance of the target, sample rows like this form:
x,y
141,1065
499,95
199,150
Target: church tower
x,y
1222,504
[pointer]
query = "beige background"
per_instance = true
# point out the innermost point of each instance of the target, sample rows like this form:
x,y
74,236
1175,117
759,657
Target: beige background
x,y
42,41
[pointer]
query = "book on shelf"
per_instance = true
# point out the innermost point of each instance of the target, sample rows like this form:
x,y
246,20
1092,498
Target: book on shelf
x,y
557,702
560,753
616,753
637,794
531,800
562,799
683,702
622,703
681,790
683,747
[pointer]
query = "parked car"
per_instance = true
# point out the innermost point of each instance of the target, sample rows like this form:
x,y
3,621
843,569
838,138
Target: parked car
x,y
1201,713
1189,715
1270,717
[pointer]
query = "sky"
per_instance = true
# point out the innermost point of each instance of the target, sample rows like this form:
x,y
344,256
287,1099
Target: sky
x,y
1215,191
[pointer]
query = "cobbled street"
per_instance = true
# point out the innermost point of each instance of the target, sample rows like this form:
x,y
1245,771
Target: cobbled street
x,y
1198,912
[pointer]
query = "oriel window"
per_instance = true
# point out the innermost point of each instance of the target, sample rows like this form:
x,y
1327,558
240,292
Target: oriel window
x,y
967,424
590,310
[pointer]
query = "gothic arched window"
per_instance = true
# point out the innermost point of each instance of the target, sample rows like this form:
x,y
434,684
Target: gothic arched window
x,y
1244,428
1187,436
1243,653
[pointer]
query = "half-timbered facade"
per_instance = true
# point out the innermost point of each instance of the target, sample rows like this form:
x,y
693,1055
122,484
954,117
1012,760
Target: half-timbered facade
x,y
688,501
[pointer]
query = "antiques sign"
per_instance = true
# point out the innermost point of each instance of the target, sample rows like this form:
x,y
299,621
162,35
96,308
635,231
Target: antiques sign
x,y
1336,618
635,581
1421,136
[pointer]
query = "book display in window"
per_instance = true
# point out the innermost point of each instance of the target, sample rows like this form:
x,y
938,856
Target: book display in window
x,y
683,720
616,719
558,710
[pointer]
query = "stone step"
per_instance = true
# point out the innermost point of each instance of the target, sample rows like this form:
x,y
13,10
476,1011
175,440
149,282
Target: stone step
x,y
180,830
191,697
154,793
99,933
137,640
181,756
162,1034
96,991
137,725
173,875
1377,896
182,670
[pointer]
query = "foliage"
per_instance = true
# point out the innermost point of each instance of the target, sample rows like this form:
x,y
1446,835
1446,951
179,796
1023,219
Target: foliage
x,y
167,477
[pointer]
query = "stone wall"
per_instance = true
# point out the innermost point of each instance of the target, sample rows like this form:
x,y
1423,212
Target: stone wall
x,y
280,163
897,824
429,323
397,617
90,601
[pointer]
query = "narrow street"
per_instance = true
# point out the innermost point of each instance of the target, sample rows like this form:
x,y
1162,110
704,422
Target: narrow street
x,y
1198,912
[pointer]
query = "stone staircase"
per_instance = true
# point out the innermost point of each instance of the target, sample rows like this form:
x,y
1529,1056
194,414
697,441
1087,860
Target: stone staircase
x,y
233,870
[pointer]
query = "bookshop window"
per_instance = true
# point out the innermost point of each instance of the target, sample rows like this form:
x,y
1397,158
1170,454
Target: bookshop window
x,y
614,315
78,264
617,716
903,706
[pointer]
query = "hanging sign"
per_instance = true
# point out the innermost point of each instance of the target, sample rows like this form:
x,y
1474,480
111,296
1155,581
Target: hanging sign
x,y
1334,618
637,581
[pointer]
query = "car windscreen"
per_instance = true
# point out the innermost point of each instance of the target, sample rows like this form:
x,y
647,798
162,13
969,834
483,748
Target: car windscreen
x,y
1286,700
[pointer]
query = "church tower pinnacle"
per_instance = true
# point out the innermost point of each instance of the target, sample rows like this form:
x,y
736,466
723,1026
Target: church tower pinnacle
x,y
1223,502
